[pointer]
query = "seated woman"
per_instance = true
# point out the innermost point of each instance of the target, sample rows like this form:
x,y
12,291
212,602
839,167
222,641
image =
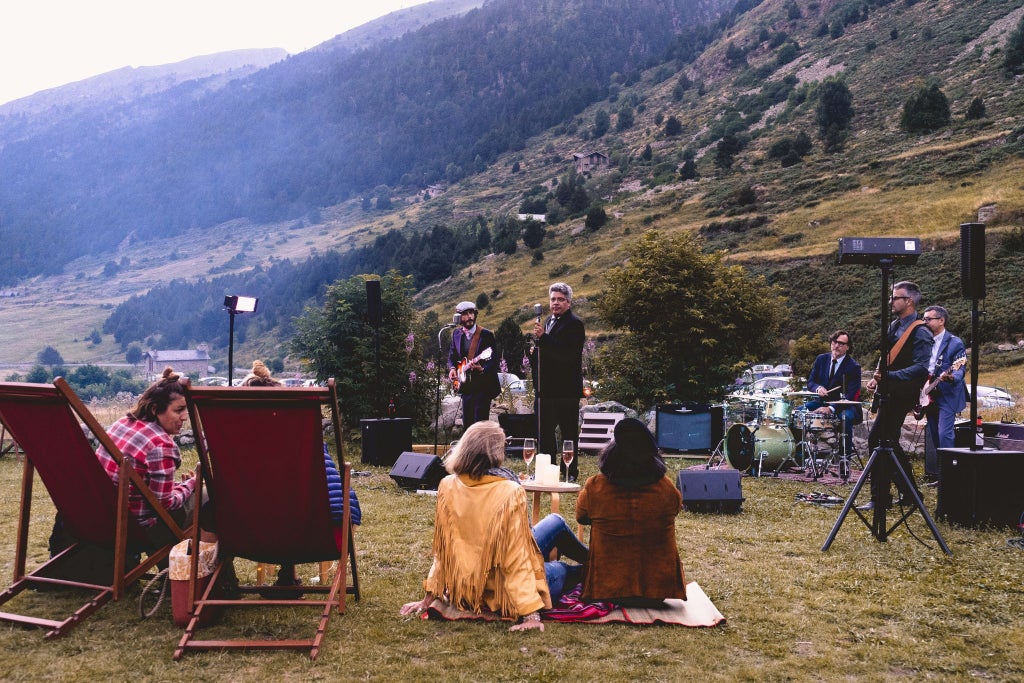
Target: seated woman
x,y
260,376
146,438
631,507
485,555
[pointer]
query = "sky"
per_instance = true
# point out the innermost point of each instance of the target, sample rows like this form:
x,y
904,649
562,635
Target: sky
x,y
47,43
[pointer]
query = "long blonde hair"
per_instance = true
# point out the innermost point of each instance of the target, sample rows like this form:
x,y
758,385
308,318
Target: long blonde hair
x,y
259,376
480,448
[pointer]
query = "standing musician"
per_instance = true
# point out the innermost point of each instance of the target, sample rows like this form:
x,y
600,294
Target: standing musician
x,y
557,366
912,343
836,376
468,353
947,366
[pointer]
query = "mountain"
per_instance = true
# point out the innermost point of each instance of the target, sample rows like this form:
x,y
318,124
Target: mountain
x,y
439,103
460,123
127,84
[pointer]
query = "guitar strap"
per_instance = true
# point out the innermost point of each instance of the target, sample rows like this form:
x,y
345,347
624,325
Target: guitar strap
x,y
474,343
898,346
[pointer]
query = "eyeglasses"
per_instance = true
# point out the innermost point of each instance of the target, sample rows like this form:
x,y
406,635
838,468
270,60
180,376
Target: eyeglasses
x,y
840,343
894,298
928,320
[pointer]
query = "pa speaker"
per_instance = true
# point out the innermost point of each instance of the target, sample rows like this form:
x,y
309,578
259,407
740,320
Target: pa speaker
x,y
415,471
710,490
981,487
373,305
972,260
384,440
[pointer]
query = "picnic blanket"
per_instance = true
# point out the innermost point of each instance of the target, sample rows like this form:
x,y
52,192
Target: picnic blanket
x,y
696,611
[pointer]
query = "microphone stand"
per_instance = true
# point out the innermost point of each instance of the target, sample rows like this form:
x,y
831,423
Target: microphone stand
x,y
437,403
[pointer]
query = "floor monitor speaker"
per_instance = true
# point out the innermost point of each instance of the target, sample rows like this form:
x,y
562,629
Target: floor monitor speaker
x,y
415,471
706,490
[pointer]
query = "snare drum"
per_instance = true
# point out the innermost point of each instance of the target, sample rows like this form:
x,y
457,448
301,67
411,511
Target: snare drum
x,y
819,422
778,410
745,447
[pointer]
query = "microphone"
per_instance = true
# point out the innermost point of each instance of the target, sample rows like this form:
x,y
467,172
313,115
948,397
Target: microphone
x,y
536,311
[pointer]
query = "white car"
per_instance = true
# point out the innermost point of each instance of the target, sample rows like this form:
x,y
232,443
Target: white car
x,y
506,380
994,397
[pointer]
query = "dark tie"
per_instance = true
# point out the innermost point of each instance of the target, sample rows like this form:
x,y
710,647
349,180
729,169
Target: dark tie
x,y
832,372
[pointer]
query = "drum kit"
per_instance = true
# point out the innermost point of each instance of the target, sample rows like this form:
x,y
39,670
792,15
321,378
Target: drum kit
x,y
773,432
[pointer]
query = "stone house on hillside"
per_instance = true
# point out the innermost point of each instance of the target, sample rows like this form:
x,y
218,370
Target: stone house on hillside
x,y
195,363
590,161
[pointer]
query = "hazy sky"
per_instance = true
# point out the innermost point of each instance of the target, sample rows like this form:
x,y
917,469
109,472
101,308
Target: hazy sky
x,y
46,43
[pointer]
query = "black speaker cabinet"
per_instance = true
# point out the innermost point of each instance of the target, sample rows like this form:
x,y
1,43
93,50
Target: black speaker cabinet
x,y
978,487
962,433
972,260
384,440
415,471
374,312
710,490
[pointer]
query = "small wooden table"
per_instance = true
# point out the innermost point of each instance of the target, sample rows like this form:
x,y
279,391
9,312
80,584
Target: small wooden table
x,y
554,488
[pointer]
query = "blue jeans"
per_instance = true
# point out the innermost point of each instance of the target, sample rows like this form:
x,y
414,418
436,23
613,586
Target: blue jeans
x,y
553,532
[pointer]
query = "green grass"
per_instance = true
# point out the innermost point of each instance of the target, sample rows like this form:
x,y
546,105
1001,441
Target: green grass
x,y
864,610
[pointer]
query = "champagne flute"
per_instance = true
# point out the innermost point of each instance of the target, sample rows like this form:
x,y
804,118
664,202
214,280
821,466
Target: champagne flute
x,y
568,453
529,450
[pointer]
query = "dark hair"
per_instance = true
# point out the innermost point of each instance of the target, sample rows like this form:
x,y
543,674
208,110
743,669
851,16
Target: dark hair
x,y
943,313
912,290
631,460
835,335
158,396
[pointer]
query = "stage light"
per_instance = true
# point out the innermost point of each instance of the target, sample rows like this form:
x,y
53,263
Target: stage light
x,y
236,304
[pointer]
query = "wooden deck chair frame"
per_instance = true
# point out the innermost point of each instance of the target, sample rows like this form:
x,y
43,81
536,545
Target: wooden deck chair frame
x,y
44,420
261,456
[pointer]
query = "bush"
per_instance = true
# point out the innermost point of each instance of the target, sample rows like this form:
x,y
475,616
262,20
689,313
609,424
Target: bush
x,y
925,111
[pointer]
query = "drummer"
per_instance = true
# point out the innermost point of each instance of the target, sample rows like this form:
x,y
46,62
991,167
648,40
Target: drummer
x,y
835,376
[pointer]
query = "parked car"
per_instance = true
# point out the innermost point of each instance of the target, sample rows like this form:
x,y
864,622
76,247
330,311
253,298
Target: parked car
x,y
994,397
512,383
212,382
293,382
756,372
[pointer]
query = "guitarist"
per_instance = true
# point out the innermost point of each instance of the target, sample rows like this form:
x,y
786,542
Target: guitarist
x,y
481,384
950,396
912,343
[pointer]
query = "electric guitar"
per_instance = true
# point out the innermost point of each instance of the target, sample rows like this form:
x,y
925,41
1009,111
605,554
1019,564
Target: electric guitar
x,y
925,400
462,369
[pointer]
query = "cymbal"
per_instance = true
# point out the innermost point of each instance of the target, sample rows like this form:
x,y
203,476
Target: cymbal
x,y
803,394
845,403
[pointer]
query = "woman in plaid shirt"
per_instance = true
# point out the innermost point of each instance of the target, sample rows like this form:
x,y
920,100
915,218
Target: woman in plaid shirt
x,y
146,437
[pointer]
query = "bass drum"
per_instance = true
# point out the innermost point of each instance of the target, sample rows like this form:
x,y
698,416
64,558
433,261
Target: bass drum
x,y
744,447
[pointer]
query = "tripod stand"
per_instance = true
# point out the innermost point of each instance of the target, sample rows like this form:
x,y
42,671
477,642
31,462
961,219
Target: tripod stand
x,y
883,461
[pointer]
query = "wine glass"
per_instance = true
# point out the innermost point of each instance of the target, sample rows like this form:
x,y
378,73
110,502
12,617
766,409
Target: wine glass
x,y
529,450
568,453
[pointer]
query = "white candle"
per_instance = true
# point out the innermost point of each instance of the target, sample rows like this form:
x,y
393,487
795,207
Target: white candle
x,y
543,459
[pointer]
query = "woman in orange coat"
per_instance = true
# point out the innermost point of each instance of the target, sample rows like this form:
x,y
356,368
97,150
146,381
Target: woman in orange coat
x,y
631,507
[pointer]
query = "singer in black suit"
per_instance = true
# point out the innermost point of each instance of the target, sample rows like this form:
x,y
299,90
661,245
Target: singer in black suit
x,y
836,376
557,366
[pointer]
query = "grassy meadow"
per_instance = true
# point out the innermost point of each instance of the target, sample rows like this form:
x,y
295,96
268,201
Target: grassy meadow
x,y
864,610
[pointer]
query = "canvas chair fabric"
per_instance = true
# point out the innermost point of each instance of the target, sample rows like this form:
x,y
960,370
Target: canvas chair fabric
x,y
45,421
261,450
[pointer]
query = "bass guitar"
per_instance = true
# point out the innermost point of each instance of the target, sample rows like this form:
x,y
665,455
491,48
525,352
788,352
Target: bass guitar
x,y
926,391
462,369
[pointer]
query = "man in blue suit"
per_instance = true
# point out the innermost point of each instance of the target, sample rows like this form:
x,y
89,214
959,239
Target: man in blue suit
x,y
836,376
950,396
481,384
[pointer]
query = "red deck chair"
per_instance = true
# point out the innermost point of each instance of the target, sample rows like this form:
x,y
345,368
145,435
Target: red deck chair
x,y
261,450
44,420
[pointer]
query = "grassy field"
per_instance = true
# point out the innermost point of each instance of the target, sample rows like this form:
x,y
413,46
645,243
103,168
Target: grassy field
x,y
864,610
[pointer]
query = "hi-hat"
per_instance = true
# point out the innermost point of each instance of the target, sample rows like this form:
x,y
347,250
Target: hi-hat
x,y
844,403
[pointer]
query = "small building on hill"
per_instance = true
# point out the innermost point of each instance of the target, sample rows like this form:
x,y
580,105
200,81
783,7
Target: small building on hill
x,y
194,363
590,161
